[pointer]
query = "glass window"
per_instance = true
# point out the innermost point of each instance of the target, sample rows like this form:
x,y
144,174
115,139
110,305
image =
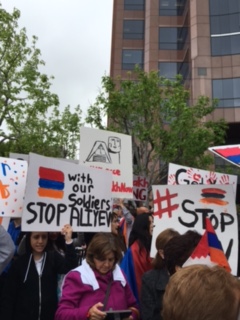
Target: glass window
x,y
224,20
131,58
133,29
172,38
223,7
169,70
134,5
225,24
171,7
218,7
225,45
227,92
202,71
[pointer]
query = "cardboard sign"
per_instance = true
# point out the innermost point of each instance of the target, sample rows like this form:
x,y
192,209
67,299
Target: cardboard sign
x,y
59,193
184,207
187,175
110,151
18,156
140,188
13,174
230,153
4,221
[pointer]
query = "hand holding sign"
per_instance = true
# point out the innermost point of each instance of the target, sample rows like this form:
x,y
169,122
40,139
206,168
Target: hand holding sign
x,y
67,232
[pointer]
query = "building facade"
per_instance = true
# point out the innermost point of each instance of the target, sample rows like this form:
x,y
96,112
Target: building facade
x,y
199,39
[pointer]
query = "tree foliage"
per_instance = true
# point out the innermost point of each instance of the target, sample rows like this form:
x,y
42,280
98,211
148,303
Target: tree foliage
x,y
156,113
30,119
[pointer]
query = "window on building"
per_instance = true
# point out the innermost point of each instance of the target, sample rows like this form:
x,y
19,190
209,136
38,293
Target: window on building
x,y
202,71
169,70
131,58
137,5
225,27
223,7
225,45
227,92
133,29
171,7
172,38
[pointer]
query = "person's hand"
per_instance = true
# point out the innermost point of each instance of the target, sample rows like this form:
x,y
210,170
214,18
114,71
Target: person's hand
x,y
67,232
95,314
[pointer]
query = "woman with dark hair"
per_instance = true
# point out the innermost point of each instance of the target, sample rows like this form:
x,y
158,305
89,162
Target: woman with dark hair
x,y
98,285
136,260
178,249
154,281
31,286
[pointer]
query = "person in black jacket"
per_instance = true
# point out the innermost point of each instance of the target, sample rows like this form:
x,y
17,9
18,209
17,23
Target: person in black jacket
x,y
154,281
30,290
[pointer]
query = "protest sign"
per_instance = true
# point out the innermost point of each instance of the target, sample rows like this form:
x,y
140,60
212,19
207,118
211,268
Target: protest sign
x,y
184,207
13,175
110,151
230,153
19,156
178,174
4,221
140,188
59,192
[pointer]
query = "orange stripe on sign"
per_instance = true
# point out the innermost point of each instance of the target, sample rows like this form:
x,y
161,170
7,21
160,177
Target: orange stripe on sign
x,y
214,201
54,194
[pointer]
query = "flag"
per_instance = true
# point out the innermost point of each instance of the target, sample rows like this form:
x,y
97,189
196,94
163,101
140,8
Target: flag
x,y
209,250
134,265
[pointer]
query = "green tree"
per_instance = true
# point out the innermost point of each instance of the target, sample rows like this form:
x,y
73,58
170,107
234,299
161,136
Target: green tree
x,y
164,128
30,119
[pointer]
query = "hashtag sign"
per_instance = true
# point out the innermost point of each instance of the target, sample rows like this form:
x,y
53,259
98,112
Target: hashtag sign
x,y
169,208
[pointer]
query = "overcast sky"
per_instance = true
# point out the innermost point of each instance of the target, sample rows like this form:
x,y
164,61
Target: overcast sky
x,y
74,37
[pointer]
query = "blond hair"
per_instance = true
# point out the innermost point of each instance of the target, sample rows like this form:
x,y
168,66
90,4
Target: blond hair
x,y
199,292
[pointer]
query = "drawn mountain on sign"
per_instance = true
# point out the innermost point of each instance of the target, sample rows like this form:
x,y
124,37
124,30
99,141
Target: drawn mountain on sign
x,y
99,153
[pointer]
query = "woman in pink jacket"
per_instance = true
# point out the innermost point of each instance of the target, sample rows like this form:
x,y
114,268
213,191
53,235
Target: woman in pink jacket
x,y
98,285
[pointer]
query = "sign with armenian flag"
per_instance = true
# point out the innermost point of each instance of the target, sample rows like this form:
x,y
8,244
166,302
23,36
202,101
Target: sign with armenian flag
x,y
184,207
59,192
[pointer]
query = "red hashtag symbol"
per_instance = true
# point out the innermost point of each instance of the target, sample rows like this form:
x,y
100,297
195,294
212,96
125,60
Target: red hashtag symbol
x,y
169,208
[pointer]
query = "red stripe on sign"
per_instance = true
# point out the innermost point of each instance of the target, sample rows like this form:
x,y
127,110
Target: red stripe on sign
x,y
51,174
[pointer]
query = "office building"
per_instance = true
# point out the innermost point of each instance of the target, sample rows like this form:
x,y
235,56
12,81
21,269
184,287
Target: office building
x,y
199,39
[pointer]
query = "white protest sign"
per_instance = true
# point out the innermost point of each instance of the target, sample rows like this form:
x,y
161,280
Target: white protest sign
x,y
140,188
184,207
230,153
19,156
60,192
13,174
4,221
111,151
187,175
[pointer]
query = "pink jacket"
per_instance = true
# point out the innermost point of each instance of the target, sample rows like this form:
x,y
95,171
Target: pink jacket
x,y
84,287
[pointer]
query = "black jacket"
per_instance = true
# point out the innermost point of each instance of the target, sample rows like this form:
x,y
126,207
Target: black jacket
x,y
30,296
153,288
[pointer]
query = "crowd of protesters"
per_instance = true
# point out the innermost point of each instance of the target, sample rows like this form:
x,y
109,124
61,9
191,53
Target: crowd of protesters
x,y
43,278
